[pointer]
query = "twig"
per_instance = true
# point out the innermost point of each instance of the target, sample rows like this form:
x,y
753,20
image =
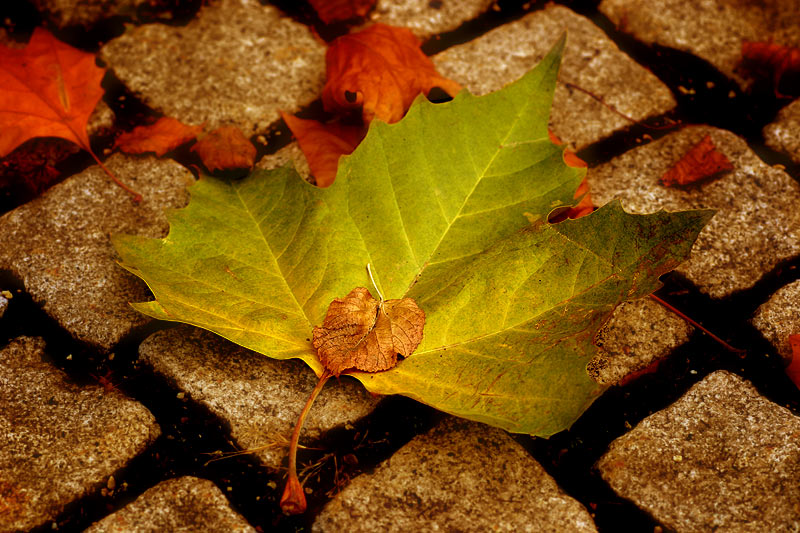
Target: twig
x,y
697,325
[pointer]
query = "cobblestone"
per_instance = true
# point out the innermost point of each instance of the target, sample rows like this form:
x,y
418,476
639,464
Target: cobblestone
x,y
181,504
756,226
591,62
426,18
58,440
783,134
258,397
637,334
721,458
63,13
710,29
444,479
58,245
779,317
237,63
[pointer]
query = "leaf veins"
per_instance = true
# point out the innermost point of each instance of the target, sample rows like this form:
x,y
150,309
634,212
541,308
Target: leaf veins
x,y
361,333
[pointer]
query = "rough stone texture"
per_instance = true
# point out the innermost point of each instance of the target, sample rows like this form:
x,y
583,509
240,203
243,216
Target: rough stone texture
x,y
461,476
260,398
710,29
591,61
721,458
181,504
59,246
58,440
637,334
63,13
237,62
757,223
779,317
102,118
289,153
426,18
3,305
783,134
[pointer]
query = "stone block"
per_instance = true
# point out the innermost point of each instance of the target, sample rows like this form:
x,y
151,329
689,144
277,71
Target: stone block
x,y
591,61
237,62
721,458
258,397
58,441
757,224
58,245
182,504
461,476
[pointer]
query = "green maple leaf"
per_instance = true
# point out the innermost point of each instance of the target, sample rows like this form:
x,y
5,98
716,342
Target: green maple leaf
x,y
450,207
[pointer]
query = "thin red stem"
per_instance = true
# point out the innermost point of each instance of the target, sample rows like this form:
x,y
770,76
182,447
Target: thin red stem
x,y
697,325
136,196
293,500
615,110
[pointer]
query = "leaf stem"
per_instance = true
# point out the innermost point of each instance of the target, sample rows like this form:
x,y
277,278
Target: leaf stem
x,y
615,110
136,196
380,294
697,325
293,500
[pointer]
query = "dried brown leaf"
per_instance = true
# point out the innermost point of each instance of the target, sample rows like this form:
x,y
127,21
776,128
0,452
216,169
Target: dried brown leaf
x,y
361,333
702,161
225,148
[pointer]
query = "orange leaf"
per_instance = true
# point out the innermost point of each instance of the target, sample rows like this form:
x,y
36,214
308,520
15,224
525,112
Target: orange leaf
x,y
338,10
324,144
585,206
160,137
793,370
701,161
381,70
47,89
772,58
225,148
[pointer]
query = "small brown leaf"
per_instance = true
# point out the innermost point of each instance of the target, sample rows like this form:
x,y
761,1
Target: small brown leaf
x,y
701,161
225,148
160,137
793,370
359,332
771,58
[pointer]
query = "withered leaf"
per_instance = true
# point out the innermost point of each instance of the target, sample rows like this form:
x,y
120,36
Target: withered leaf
x,y
702,161
225,148
165,134
793,370
360,333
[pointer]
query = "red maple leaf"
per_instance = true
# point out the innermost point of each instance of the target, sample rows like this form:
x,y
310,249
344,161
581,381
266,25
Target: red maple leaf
x,y
225,148
771,58
48,89
160,137
585,206
324,144
379,70
702,161
339,10
793,370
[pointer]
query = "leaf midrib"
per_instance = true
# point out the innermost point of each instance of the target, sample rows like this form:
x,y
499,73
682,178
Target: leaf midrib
x,y
272,255
480,175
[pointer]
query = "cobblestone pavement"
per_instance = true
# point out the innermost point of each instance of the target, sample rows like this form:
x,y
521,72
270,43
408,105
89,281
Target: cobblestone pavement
x,y
112,422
